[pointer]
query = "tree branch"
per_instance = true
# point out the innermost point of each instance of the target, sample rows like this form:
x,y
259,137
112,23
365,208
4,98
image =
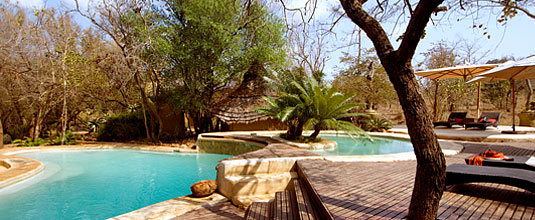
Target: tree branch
x,y
415,30
370,25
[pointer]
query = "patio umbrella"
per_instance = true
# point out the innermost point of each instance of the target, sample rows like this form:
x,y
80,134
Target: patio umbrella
x,y
511,70
462,71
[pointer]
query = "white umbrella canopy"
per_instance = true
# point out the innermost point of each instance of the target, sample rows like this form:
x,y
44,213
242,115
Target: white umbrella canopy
x,y
511,70
461,71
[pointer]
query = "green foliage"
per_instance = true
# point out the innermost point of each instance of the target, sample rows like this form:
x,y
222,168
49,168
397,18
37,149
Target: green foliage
x,y
122,127
19,131
210,44
286,107
375,124
367,78
7,139
55,139
300,139
440,55
452,93
496,93
307,103
324,106
29,143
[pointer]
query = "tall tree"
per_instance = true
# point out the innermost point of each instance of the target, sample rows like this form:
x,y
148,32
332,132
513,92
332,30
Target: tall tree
x,y
127,24
367,78
431,165
211,44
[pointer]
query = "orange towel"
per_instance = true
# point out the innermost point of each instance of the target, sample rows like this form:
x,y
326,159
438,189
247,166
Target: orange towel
x,y
478,159
493,154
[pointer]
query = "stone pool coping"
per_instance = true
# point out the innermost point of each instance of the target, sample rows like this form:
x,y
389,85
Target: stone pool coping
x,y
448,147
171,208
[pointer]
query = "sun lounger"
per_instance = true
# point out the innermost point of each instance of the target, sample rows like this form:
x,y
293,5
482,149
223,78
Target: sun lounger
x,y
455,118
518,162
462,173
485,120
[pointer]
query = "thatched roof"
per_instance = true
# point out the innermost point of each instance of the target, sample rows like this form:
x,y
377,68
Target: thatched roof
x,y
239,106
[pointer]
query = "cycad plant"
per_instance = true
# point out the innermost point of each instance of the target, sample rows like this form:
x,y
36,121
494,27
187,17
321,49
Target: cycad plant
x,y
306,103
325,107
285,109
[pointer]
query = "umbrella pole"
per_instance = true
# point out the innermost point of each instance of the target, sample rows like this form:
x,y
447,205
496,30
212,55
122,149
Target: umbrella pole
x,y
435,103
514,103
478,97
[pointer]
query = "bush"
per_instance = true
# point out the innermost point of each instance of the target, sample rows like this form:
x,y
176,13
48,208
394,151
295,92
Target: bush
x,y
19,132
375,124
56,139
7,139
28,142
122,127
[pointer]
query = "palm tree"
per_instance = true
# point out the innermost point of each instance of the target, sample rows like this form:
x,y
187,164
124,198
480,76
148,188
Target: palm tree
x,y
303,102
325,106
285,108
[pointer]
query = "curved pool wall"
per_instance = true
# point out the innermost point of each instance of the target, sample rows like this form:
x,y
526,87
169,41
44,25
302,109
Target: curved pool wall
x,y
229,146
17,169
65,190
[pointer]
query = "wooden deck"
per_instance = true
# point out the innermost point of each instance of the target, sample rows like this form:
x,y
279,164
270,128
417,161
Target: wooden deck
x,y
218,211
361,190
371,190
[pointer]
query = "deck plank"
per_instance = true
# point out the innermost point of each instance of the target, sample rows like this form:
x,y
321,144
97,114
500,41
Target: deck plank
x,y
372,190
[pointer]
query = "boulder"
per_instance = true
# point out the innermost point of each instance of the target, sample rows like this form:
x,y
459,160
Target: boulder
x,y
203,188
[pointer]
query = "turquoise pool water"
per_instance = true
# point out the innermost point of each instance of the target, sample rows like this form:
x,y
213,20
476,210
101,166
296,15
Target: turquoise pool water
x,y
103,183
346,146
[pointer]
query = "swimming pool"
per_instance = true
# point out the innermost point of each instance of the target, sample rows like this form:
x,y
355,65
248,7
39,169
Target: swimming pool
x,y
380,145
99,184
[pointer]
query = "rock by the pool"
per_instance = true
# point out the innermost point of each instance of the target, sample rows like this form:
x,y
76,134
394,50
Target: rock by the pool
x,y
203,188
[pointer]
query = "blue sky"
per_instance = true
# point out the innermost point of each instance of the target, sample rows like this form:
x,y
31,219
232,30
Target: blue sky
x,y
514,39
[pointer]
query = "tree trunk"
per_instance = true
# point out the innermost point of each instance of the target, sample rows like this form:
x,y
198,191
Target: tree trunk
x,y
316,133
153,113
431,165
530,93
147,132
430,171
181,123
64,111
36,124
1,135
299,128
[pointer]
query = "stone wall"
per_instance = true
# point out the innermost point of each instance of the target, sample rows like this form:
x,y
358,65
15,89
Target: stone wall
x,y
226,146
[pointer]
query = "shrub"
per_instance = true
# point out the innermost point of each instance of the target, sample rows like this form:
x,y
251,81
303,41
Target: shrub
x,y
122,127
7,139
56,139
28,142
375,124
18,132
